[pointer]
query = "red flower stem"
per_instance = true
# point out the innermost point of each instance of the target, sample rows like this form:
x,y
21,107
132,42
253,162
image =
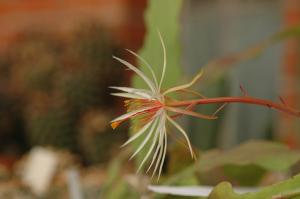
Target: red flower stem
x,y
246,100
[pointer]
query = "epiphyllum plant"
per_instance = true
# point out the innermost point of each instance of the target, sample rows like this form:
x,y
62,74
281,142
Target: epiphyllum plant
x,y
152,109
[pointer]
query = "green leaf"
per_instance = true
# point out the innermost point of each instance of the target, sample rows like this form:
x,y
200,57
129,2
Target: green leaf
x,y
248,175
288,189
160,16
222,191
267,155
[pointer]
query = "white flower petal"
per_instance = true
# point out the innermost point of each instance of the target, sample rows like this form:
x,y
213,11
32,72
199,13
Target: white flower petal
x,y
146,139
183,133
139,73
147,65
127,95
141,92
162,123
184,86
154,142
202,191
138,134
164,153
164,59
155,154
159,158
129,114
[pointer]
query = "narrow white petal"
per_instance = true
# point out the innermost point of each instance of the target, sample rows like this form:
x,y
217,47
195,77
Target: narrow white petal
x,y
159,158
146,139
126,89
141,92
151,148
202,191
184,86
129,114
162,123
138,72
165,59
147,65
164,153
127,95
155,154
138,134
183,133
154,142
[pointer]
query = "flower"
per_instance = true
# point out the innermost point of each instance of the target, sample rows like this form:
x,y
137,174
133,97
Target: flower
x,y
152,109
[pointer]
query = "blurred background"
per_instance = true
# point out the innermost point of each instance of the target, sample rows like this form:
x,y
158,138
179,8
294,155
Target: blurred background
x,y
56,66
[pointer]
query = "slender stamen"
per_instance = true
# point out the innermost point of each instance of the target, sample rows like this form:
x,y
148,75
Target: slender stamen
x,y
219,109
191,113
189,107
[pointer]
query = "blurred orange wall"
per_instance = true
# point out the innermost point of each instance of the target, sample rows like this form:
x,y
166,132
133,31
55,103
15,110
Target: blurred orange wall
x,y
123,18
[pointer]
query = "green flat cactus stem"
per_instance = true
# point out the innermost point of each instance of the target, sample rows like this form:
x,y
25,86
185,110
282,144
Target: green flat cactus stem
x,y
288,189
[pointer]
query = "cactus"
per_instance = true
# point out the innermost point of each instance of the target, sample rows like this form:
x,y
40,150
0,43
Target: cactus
x,y
54,92
34,63
89,68
59,79
50,124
